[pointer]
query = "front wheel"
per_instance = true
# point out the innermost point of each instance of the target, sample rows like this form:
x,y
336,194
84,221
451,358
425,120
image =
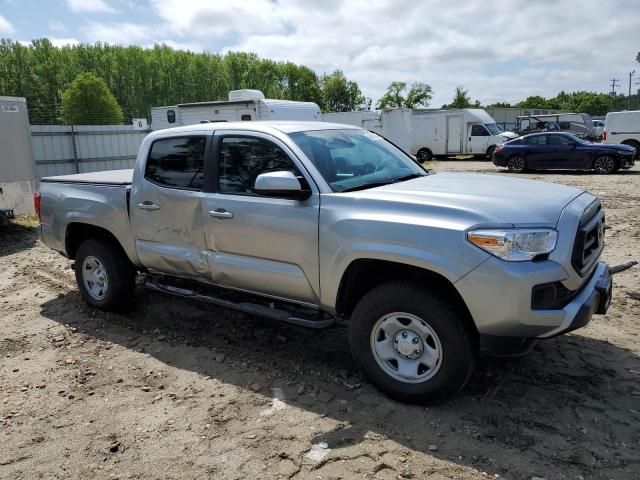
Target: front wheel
x,y
413,345
604,164
105,277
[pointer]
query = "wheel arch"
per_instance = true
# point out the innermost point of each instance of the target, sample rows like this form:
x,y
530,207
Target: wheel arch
x,y
78,232
362,275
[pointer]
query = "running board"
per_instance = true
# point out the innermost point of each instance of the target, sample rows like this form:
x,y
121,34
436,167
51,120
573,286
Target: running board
x,y
153,283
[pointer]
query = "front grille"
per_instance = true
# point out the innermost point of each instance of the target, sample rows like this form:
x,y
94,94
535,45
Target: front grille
x,y
589,239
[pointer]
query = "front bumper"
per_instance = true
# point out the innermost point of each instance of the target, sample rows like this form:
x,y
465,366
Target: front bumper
x,y
498,160
626,161
498,296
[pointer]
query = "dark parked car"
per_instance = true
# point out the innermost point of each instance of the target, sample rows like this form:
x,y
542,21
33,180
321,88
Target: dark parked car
x,y
561,151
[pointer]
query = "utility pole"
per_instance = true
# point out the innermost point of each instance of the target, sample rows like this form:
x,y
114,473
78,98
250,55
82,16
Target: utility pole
x,y
629,97
614,84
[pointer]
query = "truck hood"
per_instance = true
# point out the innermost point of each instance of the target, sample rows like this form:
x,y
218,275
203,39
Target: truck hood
x,y
477,199
509,135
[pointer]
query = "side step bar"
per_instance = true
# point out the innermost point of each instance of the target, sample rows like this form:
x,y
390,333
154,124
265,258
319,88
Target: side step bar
x,y
281,315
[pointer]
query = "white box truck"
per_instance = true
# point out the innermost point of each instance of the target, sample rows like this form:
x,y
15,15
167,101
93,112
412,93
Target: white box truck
x,y
623,127
465,131
243,105
429,133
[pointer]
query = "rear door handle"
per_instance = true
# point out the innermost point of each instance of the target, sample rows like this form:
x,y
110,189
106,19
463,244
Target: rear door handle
x,y
146,205
220,213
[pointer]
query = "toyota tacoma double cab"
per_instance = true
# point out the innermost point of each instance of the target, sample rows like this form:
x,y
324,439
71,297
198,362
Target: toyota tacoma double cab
x,y
309,222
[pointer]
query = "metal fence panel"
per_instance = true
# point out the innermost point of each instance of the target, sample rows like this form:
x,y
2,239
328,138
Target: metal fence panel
x,y
66,149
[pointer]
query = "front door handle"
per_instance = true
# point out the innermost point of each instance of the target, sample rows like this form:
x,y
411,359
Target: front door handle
x,y
147,205
220,213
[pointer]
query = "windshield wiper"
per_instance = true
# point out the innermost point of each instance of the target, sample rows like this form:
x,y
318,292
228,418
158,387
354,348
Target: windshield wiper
x,y
382,183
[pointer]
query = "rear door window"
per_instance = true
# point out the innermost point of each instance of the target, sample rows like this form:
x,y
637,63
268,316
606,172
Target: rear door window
x,y
558,140
177,162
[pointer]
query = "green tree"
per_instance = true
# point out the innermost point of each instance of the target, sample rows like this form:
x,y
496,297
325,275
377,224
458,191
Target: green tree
x,y
418,95
141,78
534,101
88,101
461,99
340,94
499,105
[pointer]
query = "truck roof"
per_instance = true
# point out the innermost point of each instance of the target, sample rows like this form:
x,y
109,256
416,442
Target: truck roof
x,y
265,126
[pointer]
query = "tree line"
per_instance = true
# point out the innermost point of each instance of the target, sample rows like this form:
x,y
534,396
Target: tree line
x,y
593,103
141,78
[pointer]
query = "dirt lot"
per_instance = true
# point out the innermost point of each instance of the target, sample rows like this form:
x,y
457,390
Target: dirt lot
x,y
181,390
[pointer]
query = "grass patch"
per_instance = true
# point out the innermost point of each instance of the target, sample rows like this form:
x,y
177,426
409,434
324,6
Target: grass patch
x,y
28,221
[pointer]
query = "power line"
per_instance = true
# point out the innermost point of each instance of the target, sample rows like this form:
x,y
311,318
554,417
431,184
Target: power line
x,y
629,97
614,84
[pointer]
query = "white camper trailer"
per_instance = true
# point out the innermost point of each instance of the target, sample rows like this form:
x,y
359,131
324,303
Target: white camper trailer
x,y
243,105
466,131
369,119
17,169
393,124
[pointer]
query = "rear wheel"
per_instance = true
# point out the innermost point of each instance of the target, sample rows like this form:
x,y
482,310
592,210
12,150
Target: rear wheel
x,y
517,164
604,164
105,277
424,155
413,345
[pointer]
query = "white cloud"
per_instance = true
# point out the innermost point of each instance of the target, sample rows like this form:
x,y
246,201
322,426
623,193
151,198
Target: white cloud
x,y
118,33
57,26
5,26
90,6
499,51
205,18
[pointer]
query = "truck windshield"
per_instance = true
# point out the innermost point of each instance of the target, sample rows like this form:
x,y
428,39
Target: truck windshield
x,y
494,128
356,159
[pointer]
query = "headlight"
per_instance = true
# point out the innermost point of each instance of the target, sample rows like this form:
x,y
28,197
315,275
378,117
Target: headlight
x,y
517,245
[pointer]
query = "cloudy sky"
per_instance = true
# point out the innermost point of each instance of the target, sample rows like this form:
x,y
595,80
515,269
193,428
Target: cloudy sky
x,y
500,50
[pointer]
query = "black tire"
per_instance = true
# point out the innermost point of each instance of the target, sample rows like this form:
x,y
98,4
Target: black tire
x,y
455,337
634,144
517,164
605,164
424,155
490,152
119,272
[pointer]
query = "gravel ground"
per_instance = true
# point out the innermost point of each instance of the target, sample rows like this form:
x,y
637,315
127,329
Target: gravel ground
x,y
175,389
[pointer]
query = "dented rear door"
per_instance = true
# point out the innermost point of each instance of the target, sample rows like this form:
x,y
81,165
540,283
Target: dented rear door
x,y
165,206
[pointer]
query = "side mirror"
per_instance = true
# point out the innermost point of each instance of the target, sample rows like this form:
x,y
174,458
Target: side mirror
x,y
280,185
572,144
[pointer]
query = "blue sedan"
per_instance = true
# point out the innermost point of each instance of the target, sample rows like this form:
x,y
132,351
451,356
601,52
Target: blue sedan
x,y
561,151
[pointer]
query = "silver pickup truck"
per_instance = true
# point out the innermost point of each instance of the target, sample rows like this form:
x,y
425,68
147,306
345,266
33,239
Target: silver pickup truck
x,y
310,222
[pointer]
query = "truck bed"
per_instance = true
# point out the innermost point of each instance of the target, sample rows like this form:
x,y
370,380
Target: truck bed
x,y
111,177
